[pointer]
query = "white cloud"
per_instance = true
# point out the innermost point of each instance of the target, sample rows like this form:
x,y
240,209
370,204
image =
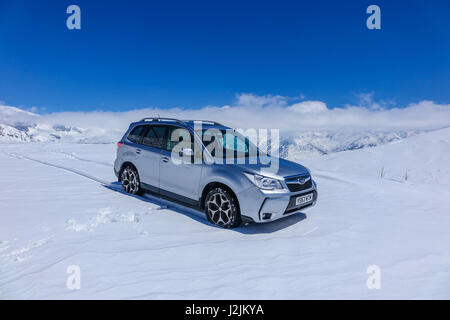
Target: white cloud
x,y
267,111
367,100
308,107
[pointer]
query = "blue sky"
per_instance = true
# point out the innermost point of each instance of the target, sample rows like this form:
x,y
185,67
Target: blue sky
x,y
136,54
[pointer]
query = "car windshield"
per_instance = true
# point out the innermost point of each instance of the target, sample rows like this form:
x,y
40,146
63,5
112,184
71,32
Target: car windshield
x,y
227,143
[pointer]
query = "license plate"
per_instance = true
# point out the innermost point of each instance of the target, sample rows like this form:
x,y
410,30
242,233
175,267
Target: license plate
x,y
304,199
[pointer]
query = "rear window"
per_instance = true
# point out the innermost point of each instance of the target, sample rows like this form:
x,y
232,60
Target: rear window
x,y
136,134
155,137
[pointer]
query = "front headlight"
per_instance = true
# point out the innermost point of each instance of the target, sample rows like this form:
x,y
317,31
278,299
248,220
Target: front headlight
x,y
264,182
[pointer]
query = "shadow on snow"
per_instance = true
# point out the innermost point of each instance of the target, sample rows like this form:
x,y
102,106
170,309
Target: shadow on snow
x,y
197,215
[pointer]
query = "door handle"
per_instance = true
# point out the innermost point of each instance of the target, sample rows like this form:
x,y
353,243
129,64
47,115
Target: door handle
x,y
165,159
138,151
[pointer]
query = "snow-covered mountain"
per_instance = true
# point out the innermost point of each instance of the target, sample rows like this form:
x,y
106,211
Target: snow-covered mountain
x,y
17,126
316,143
8,114
12,134
21,132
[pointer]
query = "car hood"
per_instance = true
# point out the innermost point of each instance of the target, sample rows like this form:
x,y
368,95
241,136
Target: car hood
x,y
284,168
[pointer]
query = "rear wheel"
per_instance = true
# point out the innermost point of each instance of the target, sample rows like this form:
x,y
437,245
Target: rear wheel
x,y
221,208
130,180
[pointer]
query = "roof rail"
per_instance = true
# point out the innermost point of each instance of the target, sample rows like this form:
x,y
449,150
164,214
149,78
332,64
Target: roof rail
x,y
162,119
181,121
206,121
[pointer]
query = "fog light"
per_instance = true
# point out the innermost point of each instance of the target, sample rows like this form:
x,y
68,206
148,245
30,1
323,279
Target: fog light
x,y
266,216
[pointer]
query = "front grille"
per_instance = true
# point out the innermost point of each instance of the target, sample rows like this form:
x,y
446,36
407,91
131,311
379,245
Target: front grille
x,y
294,186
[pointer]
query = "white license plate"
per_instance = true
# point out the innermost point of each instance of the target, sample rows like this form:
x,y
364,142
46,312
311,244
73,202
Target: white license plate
x,y
304,199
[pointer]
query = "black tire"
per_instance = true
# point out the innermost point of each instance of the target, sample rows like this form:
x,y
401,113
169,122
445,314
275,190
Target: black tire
x,y
222,209
129,178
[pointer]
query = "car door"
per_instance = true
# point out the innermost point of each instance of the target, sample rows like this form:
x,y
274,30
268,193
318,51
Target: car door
x,y
150,156
179,179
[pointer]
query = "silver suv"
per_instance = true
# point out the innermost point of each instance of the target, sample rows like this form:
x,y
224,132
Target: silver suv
x,y
209,166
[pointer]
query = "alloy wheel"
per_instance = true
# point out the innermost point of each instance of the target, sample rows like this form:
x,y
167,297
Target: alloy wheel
x,y
130,180
219,209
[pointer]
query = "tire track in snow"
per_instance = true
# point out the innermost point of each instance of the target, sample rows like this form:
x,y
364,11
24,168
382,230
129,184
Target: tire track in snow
x,y
57,166
75,157
104,183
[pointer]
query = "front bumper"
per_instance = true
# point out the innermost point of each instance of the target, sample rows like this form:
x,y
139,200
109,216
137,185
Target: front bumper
x,y
264,206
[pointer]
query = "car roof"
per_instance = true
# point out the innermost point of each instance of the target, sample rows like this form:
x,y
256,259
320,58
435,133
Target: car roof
x,y
187,123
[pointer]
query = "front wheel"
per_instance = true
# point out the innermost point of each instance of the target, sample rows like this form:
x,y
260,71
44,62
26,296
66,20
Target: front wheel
x,y
130,180
221,208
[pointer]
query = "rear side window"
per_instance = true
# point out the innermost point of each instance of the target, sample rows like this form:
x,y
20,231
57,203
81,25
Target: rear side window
x,y
136,134
177,135
155,137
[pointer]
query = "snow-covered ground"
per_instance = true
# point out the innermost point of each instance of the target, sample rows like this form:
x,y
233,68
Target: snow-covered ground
x,y
387,206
